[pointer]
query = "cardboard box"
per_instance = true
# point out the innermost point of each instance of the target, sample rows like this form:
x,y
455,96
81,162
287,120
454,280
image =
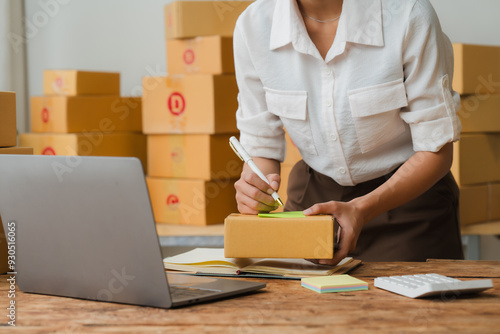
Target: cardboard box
x,y
187,19
189,104
251,236
192,202
477,69
120,144
204,157
16,150
73,82
479,203
66,114
8,127
200,55
494,202
292,152
473,207
480,113
476,159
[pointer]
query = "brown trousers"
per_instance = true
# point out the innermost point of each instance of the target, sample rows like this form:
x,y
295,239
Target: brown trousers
x,y
426,227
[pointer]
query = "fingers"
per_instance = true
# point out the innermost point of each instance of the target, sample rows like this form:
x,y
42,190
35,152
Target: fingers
x,y
254,180
253,195
248,205
322,208
274,181
347,244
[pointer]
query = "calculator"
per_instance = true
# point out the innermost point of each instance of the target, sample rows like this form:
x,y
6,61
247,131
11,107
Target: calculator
x,y
426,285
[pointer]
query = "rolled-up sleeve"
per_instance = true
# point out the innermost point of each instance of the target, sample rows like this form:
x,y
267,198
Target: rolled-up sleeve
x,y
428,68
261,132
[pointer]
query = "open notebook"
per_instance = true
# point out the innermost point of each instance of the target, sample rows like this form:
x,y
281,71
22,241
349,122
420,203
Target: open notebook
x,y
211,261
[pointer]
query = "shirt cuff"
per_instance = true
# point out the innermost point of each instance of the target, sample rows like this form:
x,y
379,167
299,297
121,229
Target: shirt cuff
x,y
262,135
436,126
433,135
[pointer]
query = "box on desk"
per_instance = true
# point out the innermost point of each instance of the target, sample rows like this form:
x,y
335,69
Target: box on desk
x,y
479,203
8,126
200,55
477,69
73,82
476,159
119,144
67,114
189,104
253,237
480,113
186,19
204,157
191,202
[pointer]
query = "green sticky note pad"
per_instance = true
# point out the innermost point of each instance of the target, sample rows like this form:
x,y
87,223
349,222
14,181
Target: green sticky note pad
x,y
289,214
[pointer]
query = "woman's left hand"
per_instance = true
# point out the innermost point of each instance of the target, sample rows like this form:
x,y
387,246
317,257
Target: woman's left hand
x,y
350,219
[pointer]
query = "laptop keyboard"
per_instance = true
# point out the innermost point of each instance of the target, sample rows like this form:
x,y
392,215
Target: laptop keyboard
x,y
181,292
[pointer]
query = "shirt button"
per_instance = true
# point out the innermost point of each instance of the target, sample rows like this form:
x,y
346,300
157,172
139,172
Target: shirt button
x,y
328,103
333,137
328,72
342,170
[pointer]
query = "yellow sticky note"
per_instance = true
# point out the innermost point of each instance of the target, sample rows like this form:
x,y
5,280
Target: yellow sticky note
x,y
336,283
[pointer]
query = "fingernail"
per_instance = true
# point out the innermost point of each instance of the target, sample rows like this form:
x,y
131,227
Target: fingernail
x,y
270,191
275,185
307,212
322,262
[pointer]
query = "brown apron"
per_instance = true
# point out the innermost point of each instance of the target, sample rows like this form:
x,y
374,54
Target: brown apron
x,y
426,227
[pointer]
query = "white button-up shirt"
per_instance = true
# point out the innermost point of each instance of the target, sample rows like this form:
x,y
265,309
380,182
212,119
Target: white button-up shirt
x,y
382,92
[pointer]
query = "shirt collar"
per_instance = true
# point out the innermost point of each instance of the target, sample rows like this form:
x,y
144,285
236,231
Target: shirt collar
x,y
361,23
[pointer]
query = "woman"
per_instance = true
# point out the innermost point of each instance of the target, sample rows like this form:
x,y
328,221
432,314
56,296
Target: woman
x,y
363,87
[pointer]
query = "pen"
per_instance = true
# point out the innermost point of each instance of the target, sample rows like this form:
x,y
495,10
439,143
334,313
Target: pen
x,y
240,152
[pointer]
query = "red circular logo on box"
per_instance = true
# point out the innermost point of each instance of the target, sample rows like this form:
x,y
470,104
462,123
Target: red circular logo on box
x,y
59,82
177,155
48,151
45,115
176,103
188,56
172,201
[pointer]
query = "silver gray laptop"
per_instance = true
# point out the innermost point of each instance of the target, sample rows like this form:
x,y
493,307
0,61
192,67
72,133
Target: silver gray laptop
x,y
85,229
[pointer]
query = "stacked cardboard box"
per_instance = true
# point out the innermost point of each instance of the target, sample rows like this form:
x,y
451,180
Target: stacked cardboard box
x,y
82,113
476,163
189,116
8,140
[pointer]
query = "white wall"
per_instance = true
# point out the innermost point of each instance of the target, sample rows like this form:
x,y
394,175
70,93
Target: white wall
x,y
468,21
102,35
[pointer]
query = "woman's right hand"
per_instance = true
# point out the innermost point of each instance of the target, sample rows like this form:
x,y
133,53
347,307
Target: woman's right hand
x,y
253,195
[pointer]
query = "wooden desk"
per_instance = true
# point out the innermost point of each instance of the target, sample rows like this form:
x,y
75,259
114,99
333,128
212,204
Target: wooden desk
x,y
284,307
